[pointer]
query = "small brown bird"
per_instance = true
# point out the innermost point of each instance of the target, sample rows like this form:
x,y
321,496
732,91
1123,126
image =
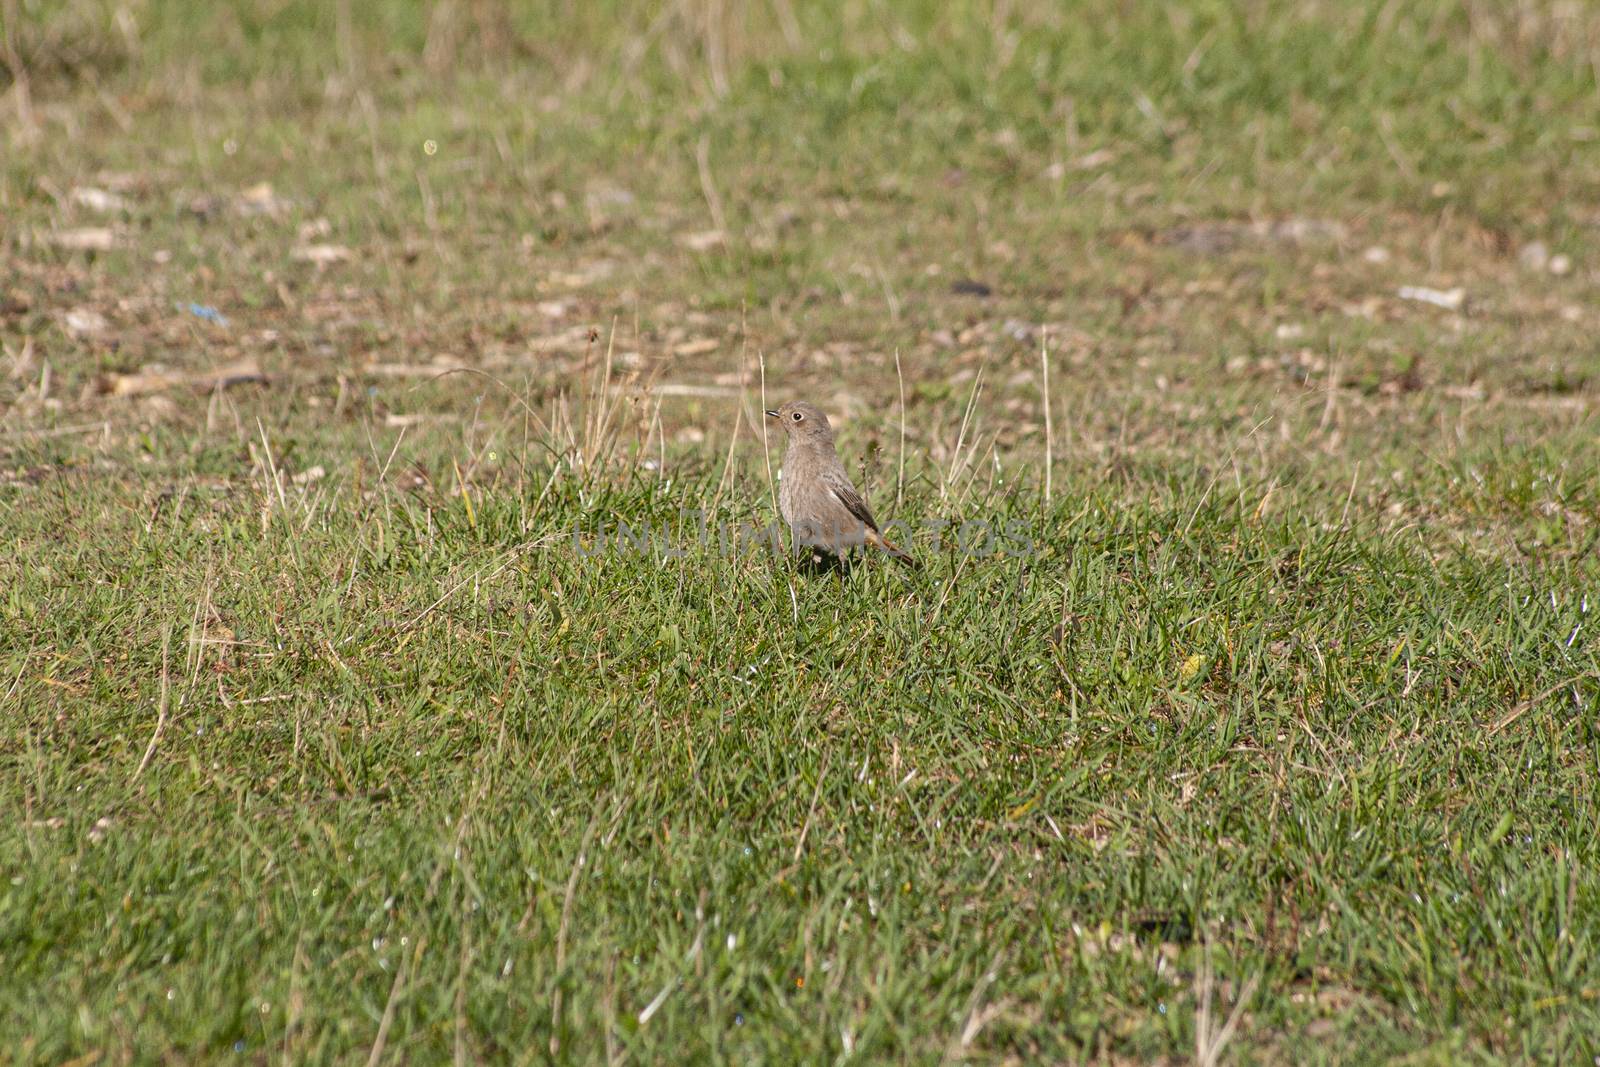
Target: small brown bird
x,y
818,501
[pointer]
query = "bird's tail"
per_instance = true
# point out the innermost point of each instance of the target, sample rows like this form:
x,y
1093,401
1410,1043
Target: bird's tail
x,y
877,540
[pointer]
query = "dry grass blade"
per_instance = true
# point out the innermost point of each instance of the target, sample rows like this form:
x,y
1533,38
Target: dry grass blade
x,y
567,899
1532,702
1049,429
375,1055
1209,1041
900,469
977,1015
957,464
161,705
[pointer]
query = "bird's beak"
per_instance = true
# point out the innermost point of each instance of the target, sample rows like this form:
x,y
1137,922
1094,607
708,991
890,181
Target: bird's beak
x,y
771,414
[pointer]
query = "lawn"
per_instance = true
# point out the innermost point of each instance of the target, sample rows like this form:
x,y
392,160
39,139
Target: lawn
x,y
385,673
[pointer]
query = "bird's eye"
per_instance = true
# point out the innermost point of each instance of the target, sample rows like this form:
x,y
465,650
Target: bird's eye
x,y
798,416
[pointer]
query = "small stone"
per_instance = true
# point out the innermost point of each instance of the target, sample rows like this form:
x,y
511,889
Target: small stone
x,y
98,200
86,239
698,346
260,199
1449,299
1099,158
84,322
323,254
704,241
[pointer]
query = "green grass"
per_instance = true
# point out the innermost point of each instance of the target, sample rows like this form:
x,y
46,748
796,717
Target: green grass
x,y
322,741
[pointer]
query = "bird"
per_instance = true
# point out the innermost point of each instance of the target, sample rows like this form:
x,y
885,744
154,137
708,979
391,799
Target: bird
x,y
818,501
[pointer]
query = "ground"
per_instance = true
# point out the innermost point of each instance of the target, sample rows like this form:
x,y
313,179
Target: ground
x,y
345,722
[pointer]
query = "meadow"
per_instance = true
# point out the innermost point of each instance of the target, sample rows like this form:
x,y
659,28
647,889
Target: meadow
x,y
340,340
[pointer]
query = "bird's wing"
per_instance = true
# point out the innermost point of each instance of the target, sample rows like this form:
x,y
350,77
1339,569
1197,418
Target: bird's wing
x,y
841,488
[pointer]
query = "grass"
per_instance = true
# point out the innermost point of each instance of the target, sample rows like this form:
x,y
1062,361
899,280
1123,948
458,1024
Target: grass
x,y
330,736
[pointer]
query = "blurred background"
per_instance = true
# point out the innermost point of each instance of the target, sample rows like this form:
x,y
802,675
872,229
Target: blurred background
x,y
1230,191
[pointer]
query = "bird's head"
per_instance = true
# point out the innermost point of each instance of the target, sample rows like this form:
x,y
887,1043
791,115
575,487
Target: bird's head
x,y
802,422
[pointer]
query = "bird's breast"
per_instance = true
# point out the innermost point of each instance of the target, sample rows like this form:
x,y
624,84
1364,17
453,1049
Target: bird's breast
x,y
787,489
